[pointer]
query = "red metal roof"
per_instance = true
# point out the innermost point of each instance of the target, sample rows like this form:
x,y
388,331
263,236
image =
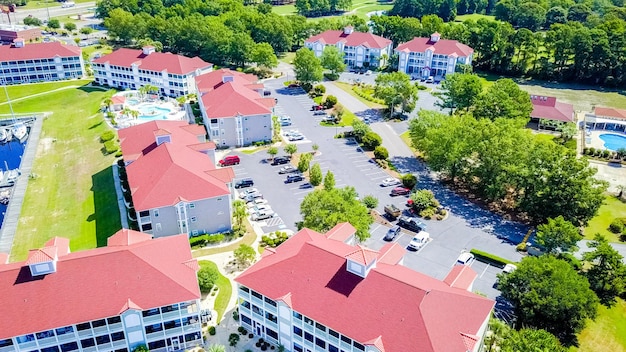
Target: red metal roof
x,y
363,255
610,112
232,99
461,276
96,284
393,306
367,40
212,80
442,46
154,61
342,232
38,51
550,109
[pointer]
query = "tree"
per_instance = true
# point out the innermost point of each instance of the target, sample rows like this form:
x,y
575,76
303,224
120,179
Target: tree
x,y
408,180
370,201
558,235
568,130
371,140
607,272
263,55
424,199
240,49
308,67
332,59
322,209
359,129
503,99
54,24
530,15
244,255
547,293
290,149
329,181
121,25
458,91
526,340
239,212
555,14
395,89
32,21
381,152
315,148
216,348
315,175
207,276
304,162
272,151
70,26
498,332
86,30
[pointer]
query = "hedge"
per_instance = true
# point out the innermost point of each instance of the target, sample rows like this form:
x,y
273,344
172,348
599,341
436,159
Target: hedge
x,y
202,240
111,147
107,136
490,258
366,96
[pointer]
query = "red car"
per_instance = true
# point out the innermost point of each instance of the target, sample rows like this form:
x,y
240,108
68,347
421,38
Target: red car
x,y
317,107
293,85
400,191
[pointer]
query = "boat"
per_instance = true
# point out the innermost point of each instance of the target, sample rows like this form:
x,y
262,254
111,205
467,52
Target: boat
x,y
5,196
9,135
20,131
3,135
8,178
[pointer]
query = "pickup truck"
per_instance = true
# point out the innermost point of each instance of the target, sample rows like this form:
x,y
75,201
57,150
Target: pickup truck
x,y
392,211
411,224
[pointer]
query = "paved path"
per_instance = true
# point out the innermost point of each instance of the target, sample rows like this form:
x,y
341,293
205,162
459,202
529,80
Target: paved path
x,y
11,219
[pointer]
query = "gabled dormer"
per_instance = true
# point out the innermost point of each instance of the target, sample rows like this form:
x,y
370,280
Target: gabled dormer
x,y
162,136
361,261
42,261
435,37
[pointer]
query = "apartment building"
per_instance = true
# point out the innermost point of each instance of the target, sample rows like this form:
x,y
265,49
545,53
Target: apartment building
x,y
39,62
234,109
320,292
359,49
174,183
135,291
433,56
132,69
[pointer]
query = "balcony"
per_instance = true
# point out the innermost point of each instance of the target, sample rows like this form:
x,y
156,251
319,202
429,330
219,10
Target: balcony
x,y
152,319
171,315
100,330
8,349
48,341
66,337
28,345
174,331
155,335
119,344
85,333
115,327
90,349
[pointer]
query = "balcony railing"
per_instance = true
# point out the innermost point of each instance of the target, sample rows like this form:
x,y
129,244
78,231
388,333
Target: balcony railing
x,y
29,344
152,318
171,315
155,335
8,349
47,341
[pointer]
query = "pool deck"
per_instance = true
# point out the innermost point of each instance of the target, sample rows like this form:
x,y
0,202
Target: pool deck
x,y
598,143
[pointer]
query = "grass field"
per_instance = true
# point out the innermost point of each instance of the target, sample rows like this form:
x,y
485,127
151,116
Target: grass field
x,y
348,88
225,290
287,57
23,90
473,16
73,194
607,333
359,8
611,208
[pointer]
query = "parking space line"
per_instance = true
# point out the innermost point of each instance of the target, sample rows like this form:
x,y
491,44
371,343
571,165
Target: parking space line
x,y
486,267
373,173
296,193
379,177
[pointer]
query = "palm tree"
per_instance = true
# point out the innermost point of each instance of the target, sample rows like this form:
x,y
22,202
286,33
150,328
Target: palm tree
x,y
217,348
108,102
134,113
498,330
239,212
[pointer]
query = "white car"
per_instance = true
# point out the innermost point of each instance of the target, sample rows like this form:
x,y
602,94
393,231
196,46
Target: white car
x,y
256,202
466,258
419,240
296,137
248,191
262,215
430,79
509,268
390,181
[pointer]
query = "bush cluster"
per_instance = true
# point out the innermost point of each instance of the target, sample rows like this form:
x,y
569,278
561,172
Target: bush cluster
x,y
618,226
212,330
203,240
363,94
371,140
330,102
274,239
381,152
111,147
604,153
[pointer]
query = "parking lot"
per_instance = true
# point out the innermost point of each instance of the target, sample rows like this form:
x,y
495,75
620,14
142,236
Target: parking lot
x,y
464,229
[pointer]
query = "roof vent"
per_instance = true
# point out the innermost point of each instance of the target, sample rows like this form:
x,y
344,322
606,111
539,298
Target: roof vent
x,y
227,78
347,30
435,37
18,42
148,49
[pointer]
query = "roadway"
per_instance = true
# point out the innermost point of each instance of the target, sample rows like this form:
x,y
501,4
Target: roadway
x,y
55,10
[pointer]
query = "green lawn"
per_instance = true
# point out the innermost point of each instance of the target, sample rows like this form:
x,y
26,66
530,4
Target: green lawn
x,y
92,49
46,3
607,333
287,57
473,16
225,290
359,8
73,194
611,208
284,9
348,88
22,90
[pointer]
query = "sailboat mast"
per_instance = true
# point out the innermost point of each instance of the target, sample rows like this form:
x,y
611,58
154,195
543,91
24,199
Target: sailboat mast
x,y
9,101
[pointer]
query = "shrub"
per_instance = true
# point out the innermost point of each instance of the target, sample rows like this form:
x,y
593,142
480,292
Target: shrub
x,y
408,180
370,201
489,258
197,241
206,278
330,101
319,90
215,238
240,329
616,226
107,136
371,140
592,151
110,147
274,239
381,152
585,151
427,213
424,199
606,153
236,315
212,330
331,76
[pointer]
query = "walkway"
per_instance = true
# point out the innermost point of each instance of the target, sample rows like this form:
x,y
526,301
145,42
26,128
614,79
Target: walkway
x,y
11,219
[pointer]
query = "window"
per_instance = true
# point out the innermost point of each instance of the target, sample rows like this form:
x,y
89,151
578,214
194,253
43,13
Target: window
x,y
50,349
297,331
149,312
308,337
297,315
256,310
297,348
192,337
332,348
83,326
246,304
270,302
333,333
144,213
6,342
103,339
146,227
257,295
45,334
87,343
244,289
346,339
271,333
320,342
213,120
98,323
246,319
308,321
114,320
194,219
157,226
358,346
116,336
156,344
271,317
171,324
191,205
156,213
66,347
320,327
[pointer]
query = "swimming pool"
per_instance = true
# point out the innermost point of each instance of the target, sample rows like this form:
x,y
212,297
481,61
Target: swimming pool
x,y
132,101
152,112
613,141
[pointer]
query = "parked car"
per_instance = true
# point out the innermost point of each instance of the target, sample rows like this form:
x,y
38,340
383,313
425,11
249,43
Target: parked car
x,y
399,191
261,208
392,211
306,185
317,107
243,183
296,137
419,240
319,112
466,258
390,181
293,85
294,178
267,92
392,233
430,79
253,197
291,133
509,268
411,223
280,160
263,215
244,194
287,169
256,202
230,160
285,122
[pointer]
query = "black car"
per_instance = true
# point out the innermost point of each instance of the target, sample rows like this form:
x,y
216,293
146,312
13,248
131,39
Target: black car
x,y
319,112
392,233
280,160
243,183
294,178
411,224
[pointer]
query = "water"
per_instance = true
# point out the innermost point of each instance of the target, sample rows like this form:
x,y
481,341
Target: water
x,y
11,153
132,101
613,141
152,112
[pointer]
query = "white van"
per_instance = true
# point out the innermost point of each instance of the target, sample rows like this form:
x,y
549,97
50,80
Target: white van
x,y
68,4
